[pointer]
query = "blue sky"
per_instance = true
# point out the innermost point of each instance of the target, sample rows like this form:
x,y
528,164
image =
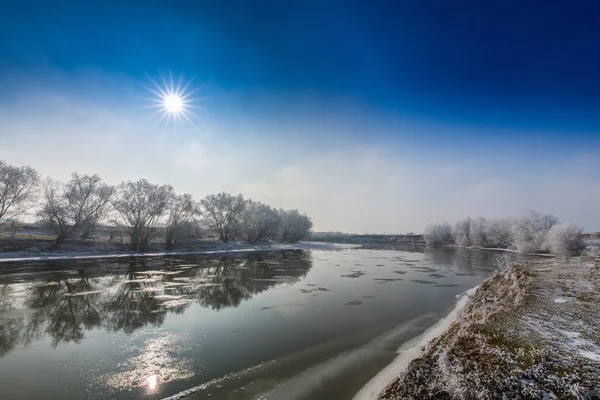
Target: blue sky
x,y
369,117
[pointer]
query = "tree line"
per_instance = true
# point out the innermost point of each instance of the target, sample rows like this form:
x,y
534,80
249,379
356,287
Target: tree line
x,y
143,210
532,232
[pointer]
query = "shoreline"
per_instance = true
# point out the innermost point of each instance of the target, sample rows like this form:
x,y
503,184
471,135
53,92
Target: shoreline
x,y
413,349
223,249
300,385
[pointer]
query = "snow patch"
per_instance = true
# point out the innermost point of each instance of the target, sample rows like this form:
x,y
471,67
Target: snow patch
x,y
561,300
570,335
590,354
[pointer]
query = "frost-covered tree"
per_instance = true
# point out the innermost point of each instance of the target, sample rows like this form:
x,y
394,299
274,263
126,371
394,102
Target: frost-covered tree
x,y
75,208
499,233
294,226
504,260
438,234
592,251
18,191
182,222
141,208
260,222
479,233
223,214
566,239
531,230
461,233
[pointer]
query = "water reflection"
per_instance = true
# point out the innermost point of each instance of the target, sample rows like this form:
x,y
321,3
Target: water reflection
x,y
462,261
160,359
63,304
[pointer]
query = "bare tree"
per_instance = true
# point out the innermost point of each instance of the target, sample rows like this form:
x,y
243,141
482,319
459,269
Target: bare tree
x,y
531,230
75,208
566,239
15,225
181,225
141,207
18,191
223,213
260,222
294,226
438,234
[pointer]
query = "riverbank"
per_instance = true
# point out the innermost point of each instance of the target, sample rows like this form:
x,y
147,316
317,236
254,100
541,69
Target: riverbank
x,y
529,332
205,248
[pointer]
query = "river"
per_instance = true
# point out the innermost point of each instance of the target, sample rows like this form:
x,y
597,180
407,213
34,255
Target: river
x,y
288,324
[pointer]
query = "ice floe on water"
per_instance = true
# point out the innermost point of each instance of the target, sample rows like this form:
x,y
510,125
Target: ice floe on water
x,y
142,280
149,290
167,297
84,293
174,284
151,272
354,303
176,303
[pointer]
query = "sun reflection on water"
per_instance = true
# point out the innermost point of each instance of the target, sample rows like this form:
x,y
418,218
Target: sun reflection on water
x,y
157,361
152,382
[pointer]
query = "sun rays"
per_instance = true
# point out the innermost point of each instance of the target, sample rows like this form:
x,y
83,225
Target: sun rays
x,y
172,99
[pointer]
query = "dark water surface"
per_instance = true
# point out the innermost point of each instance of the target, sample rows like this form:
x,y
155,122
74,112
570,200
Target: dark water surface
x,y
155,327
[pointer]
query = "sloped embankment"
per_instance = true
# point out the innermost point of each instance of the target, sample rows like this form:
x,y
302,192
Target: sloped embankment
x,y
531,332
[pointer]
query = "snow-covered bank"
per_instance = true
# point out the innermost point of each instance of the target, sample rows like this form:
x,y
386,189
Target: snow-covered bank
x,y
412,349
529,332
213,249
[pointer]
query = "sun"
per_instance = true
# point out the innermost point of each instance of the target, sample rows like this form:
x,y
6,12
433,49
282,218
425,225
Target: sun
x,y
173,103
172,99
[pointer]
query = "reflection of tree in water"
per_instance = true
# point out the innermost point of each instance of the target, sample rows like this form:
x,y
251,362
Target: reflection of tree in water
x,y
130,308
66,317
127,299
452,258
464,260
234,283
11,325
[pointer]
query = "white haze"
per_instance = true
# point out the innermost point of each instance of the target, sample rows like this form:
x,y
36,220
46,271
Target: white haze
x,y
350,184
